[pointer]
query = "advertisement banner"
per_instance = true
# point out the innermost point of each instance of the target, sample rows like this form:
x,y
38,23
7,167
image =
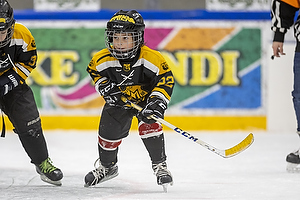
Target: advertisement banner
x,y
218,69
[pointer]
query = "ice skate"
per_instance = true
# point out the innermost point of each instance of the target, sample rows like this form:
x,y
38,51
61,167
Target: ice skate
x,y
293,162
100,174
49,173
163,175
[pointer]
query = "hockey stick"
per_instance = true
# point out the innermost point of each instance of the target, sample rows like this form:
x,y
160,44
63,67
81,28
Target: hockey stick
x,y
227,153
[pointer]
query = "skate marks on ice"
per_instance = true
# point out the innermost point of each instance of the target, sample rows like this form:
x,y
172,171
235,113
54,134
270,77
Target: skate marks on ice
x,y
257,173
16,177
20,187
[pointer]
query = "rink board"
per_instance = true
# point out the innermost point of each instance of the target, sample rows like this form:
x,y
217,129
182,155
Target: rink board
x,y
218,64
185,123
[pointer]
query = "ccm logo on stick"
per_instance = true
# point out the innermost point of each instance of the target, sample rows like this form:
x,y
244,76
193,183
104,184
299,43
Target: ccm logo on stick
x,y
178,130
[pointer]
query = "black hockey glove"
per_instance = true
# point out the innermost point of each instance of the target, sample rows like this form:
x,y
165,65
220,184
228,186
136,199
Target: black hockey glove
x,y
114,98
155,106
8,81
111,94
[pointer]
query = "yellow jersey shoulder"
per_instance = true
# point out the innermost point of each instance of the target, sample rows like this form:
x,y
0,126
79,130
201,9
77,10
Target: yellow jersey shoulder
x,y
22,33
148,53
155,57
21,30
103,56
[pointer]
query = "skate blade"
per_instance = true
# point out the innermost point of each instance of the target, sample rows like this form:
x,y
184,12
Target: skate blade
x,y
293,168
47,180
165,186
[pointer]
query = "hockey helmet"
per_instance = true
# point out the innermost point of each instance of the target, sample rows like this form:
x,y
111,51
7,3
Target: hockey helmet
x,y
7,21
129,23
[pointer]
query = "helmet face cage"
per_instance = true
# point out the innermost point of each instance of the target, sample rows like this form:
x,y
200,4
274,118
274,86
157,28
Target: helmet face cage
x,y
7,21
135,42
128,24
9,34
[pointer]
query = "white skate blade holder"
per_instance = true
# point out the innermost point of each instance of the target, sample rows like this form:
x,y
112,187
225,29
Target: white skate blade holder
x,y
103,180
165,186
47,180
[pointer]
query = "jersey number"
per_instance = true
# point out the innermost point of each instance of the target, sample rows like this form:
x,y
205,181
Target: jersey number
x,y
167,81
32,61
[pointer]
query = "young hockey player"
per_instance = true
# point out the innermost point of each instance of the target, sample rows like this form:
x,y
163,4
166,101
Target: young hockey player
x,y
283,13
17,59
129,68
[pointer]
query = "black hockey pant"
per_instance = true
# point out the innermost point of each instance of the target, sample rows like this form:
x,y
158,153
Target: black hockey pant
x,y
114,125
20,107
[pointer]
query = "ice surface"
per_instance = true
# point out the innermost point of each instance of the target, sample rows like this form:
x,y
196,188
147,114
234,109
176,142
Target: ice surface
x,y
257,173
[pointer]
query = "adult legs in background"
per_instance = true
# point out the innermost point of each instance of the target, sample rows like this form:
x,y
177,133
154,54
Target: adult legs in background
x,y
293,159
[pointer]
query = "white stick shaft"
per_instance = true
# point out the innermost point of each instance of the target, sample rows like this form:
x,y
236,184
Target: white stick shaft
x,y
224,153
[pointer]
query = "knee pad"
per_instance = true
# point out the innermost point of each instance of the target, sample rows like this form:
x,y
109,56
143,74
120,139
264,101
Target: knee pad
x,y
31,132
150,130
109,145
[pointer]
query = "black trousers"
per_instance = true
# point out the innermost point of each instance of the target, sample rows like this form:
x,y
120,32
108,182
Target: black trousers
x,y
20,107
115,122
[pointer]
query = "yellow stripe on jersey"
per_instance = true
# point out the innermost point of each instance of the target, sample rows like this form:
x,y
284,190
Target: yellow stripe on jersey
x,y
99,58
102,57
19,68
294,3
163,92
95,65
23,70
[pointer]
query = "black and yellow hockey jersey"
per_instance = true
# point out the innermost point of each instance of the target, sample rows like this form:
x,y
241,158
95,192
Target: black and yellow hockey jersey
x,y
21,51
145,75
